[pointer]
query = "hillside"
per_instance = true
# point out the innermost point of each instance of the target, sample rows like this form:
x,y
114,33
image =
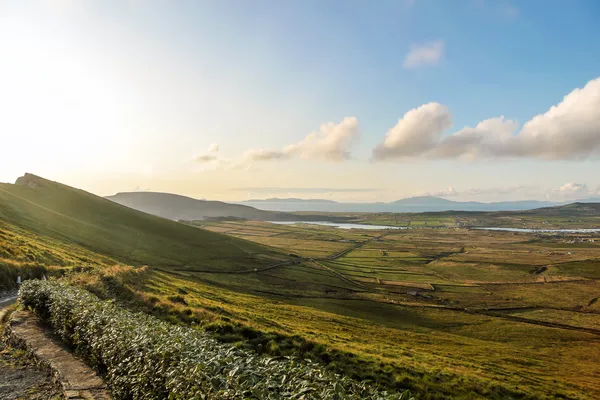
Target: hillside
x,y
61,213
176,207
577,209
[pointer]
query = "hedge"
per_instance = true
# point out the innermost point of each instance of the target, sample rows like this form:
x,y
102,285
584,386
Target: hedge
x,y
142,357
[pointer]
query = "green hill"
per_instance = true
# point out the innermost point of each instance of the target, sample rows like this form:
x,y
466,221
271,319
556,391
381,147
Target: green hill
x,y
176,207
64,214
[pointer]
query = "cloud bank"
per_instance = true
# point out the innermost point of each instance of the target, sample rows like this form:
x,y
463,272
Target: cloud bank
x,y
527,191
568,191
569,130
331,142
574,188
424,54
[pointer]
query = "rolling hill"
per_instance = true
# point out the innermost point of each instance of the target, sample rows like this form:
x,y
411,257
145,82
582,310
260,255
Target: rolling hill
x,y
58,212
176,207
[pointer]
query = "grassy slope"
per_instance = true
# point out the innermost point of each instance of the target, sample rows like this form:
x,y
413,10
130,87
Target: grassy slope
x,y
178,207
69,215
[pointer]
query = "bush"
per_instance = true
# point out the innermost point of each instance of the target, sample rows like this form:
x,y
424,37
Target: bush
x,y
144,358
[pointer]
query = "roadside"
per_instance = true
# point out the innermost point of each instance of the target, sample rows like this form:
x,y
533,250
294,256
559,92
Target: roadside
x,y
20,378
7,298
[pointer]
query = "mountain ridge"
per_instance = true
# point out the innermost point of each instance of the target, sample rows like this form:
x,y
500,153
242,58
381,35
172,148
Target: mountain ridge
x,y
178,207
409,204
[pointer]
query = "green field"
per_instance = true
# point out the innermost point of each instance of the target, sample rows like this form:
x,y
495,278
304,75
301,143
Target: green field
x,y
445,312
477,300
60,213
571,216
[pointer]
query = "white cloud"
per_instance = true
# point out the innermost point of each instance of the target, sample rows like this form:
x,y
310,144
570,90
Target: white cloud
x,y
417,132
521,191
573,188
575,191
210,155
206,158
569,130
331,142
448,192
266,155
429,53
471,143
570,191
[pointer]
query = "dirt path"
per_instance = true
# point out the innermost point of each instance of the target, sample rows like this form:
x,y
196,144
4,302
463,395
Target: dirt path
x,y
19,377
357,246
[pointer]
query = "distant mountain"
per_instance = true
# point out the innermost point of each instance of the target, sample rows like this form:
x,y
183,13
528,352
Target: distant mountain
x,y
289,200
176,207
412,204
589,200
425,200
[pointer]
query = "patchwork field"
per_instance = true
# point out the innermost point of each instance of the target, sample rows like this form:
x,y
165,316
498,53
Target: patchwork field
x,y
503,311
571,216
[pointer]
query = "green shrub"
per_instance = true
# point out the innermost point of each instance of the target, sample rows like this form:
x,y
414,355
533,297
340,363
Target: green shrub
x,y
144,358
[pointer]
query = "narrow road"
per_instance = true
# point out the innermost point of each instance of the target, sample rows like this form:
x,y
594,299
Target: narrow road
x,y
20,377
357,246
7,300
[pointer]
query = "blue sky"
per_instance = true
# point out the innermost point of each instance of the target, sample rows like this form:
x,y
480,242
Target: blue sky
x,y
205,98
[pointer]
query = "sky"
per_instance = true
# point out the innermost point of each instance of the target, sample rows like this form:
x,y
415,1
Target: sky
x,y
344,100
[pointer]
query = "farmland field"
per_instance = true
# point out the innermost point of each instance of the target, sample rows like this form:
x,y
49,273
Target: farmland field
x,y
488,309
571,216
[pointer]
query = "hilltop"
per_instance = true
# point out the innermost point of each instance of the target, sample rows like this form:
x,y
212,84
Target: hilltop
x,y
580,208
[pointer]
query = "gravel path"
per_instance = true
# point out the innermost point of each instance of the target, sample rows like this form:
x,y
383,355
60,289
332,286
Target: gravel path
x,y
20,379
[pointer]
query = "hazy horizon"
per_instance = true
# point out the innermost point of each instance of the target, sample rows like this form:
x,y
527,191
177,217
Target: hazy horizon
x,y
355,102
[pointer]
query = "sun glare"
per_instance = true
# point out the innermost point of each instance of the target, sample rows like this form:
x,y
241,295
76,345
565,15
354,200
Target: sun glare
x,y
56,108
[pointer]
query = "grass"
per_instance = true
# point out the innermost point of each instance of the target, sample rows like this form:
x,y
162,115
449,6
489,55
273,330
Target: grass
x,y
468,269
571,318
573,216
70,215
433,351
